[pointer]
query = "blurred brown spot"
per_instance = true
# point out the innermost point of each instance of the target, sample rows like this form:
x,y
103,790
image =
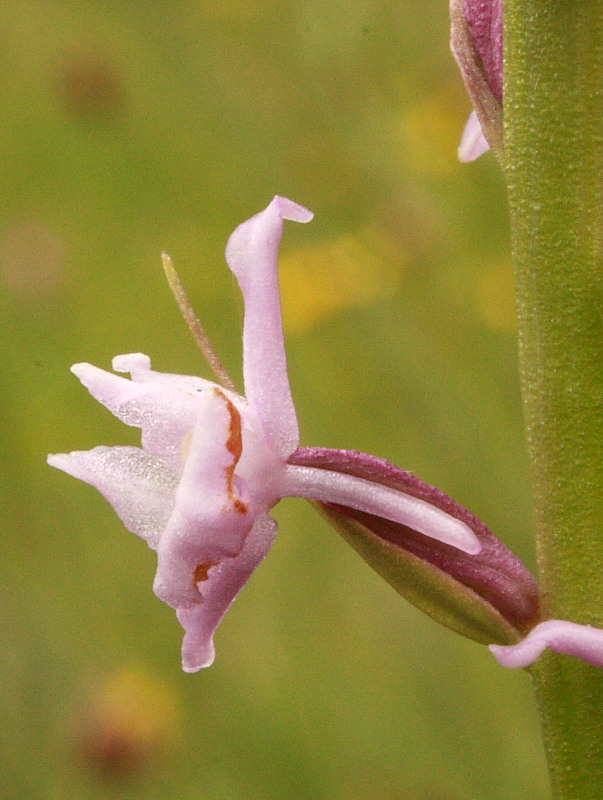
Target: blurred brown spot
x,y
111,752
91,85
32,258
126,725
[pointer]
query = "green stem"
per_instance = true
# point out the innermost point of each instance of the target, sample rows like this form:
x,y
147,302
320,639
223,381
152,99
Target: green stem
x,y
553,111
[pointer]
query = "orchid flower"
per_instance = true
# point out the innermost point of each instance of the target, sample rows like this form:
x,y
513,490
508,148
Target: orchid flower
x,y
213,463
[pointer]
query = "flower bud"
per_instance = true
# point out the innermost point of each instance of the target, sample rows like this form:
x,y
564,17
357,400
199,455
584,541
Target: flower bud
x,y
477,44
489,597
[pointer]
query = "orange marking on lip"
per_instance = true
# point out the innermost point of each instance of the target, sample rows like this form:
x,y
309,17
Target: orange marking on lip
x,y
201,571
234,445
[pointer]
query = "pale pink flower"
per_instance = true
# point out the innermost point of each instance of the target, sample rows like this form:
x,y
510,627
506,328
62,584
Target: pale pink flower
x,y
214,463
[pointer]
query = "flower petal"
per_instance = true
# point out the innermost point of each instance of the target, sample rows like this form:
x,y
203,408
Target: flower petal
x,y
211,516
223,584
139,367
140,487
473,142
163,406
328,486
252,255
569,638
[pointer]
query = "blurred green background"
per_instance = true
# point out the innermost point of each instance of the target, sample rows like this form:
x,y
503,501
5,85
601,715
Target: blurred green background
x,y
130,127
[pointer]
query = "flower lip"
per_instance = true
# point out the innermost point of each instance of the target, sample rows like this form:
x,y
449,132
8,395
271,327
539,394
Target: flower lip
x,y
473,142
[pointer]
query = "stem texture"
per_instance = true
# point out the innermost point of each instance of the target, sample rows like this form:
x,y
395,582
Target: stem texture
x,y
553,115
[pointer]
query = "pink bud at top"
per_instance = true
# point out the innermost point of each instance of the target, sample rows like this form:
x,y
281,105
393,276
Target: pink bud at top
x,y
477,45
486,26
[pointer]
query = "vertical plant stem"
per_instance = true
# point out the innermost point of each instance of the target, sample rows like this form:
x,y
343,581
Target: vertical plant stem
x,y
553,108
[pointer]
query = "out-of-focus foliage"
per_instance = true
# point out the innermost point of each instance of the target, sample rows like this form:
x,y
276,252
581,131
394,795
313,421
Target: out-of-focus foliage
x,y
129,128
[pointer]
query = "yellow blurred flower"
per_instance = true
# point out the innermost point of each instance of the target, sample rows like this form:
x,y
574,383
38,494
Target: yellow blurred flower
x,y
430,135
324,279
128,721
